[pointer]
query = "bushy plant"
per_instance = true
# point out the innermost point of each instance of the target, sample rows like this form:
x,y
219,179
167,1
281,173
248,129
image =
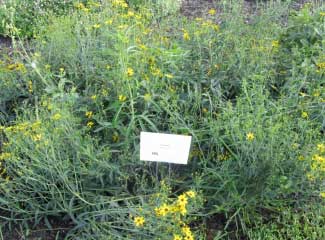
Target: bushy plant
x,y
25,17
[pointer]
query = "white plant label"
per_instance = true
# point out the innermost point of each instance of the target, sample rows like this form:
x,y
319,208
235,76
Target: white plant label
x,y
161,147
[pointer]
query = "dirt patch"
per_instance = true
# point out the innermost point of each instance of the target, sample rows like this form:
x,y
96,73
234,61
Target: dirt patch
x,y
57,230
5,43
5,47
192,8
200,8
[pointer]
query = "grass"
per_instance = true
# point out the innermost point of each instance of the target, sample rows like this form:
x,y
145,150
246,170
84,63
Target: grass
x,y
77,91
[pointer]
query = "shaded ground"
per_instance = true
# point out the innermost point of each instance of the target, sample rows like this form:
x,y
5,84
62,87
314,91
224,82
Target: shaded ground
x,y
5,44
200,8
56,230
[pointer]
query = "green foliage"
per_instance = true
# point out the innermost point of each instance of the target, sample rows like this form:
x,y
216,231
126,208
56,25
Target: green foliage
x,y
305,224
24,17
301,50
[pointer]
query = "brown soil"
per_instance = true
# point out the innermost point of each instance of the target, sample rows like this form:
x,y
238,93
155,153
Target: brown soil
x,y
200,8
57,230
192,8
5,44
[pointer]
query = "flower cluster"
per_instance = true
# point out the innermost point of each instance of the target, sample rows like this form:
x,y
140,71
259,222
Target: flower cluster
x,y
29,129
171,208
120,3
176,207
317,163
3,170
20,67
318,159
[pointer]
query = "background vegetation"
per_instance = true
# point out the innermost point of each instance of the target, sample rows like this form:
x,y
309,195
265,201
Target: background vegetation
x,y
83,80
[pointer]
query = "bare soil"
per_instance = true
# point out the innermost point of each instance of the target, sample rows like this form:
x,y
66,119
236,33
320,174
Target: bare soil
x,y
57,230
5,44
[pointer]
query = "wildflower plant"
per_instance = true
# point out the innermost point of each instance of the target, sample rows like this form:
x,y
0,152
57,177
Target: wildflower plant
x,y
168,216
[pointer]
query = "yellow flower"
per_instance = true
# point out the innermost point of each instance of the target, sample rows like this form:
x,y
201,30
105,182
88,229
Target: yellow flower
x,y
189,237
143,47
139,221
321,65
145,76
216,27
86,10
156,72
304,115
212,11
186,35
90,124
30,86
89,114
301,157
182,199
250,136
322,14
182,209
322,194
224,156
61,70
275,44
170,76
321,147
130,72
121,98
115,137
147,97
316,93
17,66
310,177
191,194
57,116
130,13
177,237
37,137
162,210
79,5
109,22
119,3
186,231
4,156
93,97
105,92
96,26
